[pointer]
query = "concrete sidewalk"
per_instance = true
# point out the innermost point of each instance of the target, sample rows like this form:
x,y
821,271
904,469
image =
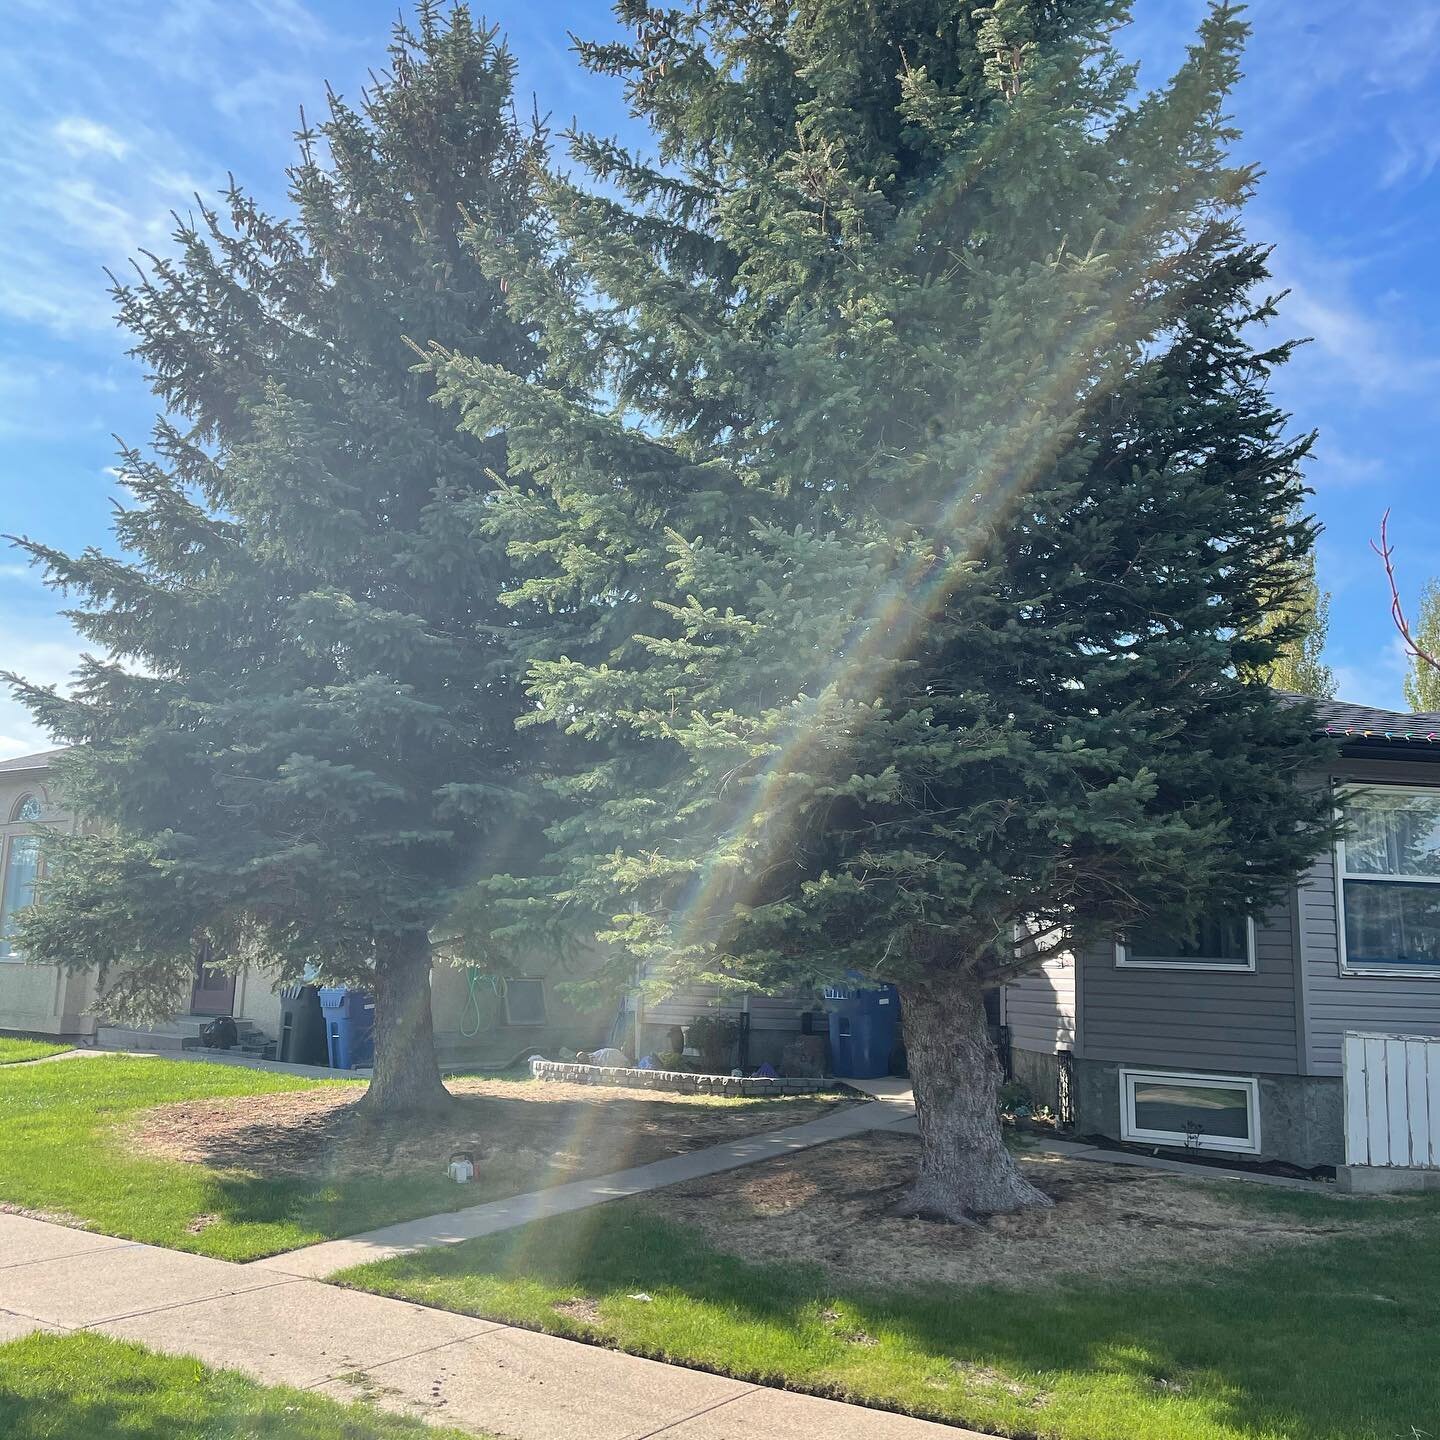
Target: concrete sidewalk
x,y
317,1261
451,1369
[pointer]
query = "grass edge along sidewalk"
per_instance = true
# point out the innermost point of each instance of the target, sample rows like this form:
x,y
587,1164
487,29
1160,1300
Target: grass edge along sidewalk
x,y
1312,1342
18,1049
82,1386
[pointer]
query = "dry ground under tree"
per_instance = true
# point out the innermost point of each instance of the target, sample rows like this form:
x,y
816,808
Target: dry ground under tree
x,y
831,1205
520,1134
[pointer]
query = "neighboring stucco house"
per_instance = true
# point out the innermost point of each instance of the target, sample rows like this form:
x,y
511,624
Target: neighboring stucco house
x,y
41,999
477,1019
1232,1042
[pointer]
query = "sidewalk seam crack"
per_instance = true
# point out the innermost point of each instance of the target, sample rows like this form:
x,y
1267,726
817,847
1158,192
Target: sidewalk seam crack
x,y
696,1414
183,1304
75,1255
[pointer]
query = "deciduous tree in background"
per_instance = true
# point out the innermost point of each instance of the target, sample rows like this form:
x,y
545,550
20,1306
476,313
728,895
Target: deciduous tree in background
x,y
1299,665
1422,679
907,496
302,743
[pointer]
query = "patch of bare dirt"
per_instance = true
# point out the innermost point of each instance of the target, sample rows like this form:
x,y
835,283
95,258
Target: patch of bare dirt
x,y
831,1206
581,1308
51,1217
519,1135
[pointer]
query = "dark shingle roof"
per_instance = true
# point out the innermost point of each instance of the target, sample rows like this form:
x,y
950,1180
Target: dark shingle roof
x,y
1365,725
40,761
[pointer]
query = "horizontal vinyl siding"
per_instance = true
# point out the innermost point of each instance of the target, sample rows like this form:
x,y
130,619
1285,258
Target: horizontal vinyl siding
x,y
682,1006
1244,1022
778,1012
767,1012
1393,1004
1040,1007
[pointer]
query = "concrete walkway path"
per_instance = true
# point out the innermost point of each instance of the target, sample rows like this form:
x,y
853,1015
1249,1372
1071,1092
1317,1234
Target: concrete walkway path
x,y
317,1261
450,1369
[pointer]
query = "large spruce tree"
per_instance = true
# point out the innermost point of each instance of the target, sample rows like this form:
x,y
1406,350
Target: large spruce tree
x,y
298,742
907,480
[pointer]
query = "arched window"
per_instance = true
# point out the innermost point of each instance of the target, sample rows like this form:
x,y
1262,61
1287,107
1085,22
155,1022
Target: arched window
x,y
21,870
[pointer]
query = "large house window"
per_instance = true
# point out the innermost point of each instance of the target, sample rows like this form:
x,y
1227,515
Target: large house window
x,y
1389,880
1216,943
1195,1112
21,869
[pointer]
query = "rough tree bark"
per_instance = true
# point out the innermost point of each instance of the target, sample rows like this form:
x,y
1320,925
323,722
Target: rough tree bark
x,y
407,1074
965,1169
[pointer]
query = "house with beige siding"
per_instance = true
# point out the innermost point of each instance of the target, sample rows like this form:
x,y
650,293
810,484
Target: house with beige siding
x,y
479,1019
1231,1040
36,999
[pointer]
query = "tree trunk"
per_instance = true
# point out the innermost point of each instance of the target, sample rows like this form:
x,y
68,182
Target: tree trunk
x,y
965,1169
407,1075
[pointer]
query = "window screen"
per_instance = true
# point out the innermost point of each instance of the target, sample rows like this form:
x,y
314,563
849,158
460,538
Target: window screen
x,y
524,1002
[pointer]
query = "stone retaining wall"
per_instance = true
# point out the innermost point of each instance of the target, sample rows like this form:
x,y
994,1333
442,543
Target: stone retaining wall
x,y
680,1081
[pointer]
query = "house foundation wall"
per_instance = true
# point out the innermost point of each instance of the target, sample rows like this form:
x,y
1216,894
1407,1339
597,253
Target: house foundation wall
x,y
1301,1116
1039,1072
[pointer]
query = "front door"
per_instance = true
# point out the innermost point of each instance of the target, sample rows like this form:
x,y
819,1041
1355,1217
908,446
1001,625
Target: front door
x,y
214,990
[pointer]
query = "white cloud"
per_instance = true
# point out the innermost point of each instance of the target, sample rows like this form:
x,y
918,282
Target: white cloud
x,y
1415,151
79,135
1336,466
54,399
89,151
1377,679
45,651
1356,347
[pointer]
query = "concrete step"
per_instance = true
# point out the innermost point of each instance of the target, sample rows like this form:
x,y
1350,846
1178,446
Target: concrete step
x,y
181,1033
119,1037
194,1024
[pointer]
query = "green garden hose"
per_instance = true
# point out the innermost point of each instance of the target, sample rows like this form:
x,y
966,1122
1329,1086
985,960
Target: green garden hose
x,y
473,980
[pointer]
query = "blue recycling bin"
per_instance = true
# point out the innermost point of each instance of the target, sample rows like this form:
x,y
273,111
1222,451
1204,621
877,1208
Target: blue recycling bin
x,y
864,1026
349,1026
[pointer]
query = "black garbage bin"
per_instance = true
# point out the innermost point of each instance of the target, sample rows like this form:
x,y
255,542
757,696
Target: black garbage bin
x,y
864,1026
302,1027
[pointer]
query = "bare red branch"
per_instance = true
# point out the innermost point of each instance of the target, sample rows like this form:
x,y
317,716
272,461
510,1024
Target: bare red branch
x,y
1386,551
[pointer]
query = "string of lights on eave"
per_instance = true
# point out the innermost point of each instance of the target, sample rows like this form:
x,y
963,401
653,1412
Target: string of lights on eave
x,y
1431,737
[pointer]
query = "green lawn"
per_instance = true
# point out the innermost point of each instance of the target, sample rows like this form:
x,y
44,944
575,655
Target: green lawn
x,y
64,1153
1316,1342
13,1049
87,1387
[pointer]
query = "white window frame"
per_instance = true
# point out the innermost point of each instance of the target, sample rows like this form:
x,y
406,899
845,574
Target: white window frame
x,y
1129,1130
1124,962
8,836
9,955
544,1003
1396,971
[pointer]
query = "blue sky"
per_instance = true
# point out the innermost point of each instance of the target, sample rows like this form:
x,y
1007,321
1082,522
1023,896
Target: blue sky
x,y
112,114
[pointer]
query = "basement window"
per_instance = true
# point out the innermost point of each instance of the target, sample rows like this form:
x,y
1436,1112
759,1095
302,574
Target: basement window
x,y
1190,1112
525,1002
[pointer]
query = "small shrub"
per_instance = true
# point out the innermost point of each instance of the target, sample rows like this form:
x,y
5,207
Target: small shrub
x,y
1016,1099
715,1037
